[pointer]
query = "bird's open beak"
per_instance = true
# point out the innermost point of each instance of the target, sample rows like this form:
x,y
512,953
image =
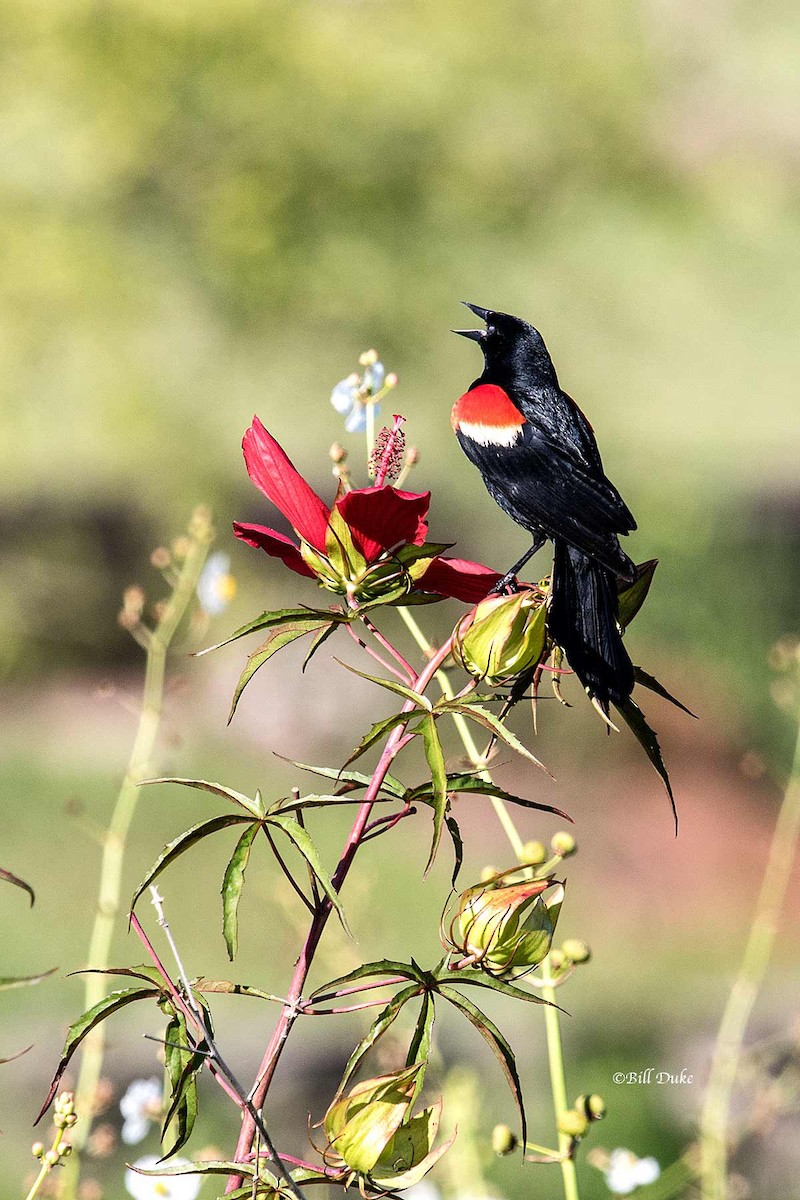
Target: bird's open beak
x,y
475,335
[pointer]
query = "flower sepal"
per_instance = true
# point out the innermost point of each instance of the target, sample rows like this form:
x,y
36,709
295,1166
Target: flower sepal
x,y
503,636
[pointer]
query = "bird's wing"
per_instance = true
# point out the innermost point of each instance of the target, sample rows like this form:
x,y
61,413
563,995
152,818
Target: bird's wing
x,y
546,486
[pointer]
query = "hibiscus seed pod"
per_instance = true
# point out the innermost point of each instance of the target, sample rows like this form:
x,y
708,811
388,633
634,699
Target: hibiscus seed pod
x,y
502,637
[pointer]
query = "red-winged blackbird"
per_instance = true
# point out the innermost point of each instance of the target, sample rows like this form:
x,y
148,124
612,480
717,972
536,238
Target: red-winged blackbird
x,y
539,460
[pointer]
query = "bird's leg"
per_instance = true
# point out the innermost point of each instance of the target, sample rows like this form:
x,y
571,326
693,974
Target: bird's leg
x,y
507,583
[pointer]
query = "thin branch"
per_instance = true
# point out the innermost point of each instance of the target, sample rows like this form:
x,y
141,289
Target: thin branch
x,y
286,871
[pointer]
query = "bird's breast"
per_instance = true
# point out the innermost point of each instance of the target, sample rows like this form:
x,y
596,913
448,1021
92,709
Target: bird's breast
x,y
487,415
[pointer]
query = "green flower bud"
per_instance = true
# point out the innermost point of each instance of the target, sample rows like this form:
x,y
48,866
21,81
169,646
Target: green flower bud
x,y
572,1123
557,960
504,1140
371,1131
534,853
576,950
593,1107
502,637
37,1149
563,843
506,924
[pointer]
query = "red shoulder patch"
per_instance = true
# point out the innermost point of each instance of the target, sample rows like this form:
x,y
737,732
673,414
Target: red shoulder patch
x,y
486,405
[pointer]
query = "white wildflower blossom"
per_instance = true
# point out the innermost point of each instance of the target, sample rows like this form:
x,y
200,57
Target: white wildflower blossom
x,y
140,1107
161,1187
625,1172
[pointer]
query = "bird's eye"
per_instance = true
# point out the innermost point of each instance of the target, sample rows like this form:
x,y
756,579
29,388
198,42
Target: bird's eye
x,y
490,331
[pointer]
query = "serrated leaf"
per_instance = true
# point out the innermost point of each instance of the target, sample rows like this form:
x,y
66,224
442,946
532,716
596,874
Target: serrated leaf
x,y
216,789
647,739
302,841
268,620
475,712
383,966
385,1018
391,685
184,842
85,1024
9,877
390,784
232,884
499,1046
650,682
147,973
18,981
631,596
277,640
435,758
321,636
379,730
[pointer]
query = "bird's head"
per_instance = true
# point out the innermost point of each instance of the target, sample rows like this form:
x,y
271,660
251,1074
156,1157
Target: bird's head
x,y
513,351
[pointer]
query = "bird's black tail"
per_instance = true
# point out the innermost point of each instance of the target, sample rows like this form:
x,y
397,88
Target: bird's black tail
x,y
582,619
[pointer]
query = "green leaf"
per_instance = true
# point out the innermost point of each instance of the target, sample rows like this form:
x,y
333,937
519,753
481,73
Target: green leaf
x,y
17,882
321,636
18,981
232,884
386,1017
475,785
420,1046
226,987
255,807
149,974
499,1046
288,804
390,784
200,1168
482,716
435,757
302,841
631,596
649,681
391,685
646,737
182,1066
275,642
268,620
458,847
384,966
474,977
85,1024
378,731
186,840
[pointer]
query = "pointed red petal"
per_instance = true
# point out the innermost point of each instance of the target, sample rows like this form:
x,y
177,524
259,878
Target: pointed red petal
x,y
459,578
275,544
273,472
380,517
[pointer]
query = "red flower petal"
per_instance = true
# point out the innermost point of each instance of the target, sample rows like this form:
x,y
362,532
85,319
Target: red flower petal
x,y
459,578
272,471
275,544
381,517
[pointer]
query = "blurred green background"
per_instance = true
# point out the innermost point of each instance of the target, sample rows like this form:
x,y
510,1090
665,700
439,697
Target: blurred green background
x,y
209,210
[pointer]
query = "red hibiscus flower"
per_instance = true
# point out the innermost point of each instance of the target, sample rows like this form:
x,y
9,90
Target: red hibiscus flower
x,y
370,544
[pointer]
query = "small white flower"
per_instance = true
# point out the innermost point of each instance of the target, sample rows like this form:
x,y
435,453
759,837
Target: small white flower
x,y
161,1187
626,1172
140,1107
349,395
422,1191
216,587
343,396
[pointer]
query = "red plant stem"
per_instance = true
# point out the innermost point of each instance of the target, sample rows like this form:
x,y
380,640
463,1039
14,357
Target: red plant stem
x,y
292,1009
384,824
330,1012
179,1002
378,658
361,987
390,649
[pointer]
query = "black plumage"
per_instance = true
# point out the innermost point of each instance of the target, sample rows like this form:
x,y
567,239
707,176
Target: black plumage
x,y
539,459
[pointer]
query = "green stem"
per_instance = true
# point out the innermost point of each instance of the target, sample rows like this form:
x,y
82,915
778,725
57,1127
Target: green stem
x,y
552,1026
744,993
115,839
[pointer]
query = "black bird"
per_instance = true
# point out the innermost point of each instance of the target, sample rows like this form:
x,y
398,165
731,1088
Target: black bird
x,y
539,460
